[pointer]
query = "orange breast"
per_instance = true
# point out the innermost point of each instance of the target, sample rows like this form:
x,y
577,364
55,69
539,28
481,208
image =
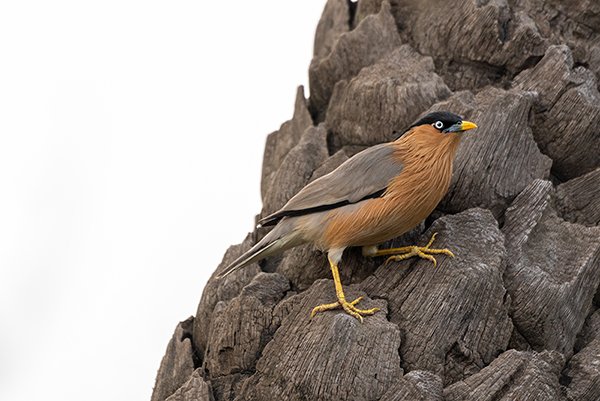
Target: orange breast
x,y
409,199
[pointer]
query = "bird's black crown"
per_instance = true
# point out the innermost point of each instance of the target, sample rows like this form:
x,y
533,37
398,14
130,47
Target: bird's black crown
x,y
446,119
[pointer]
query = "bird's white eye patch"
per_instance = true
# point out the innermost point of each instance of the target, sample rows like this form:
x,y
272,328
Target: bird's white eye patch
x,y
438,125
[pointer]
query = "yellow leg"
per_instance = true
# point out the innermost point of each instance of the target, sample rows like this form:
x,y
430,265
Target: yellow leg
x,y
406,252
341,302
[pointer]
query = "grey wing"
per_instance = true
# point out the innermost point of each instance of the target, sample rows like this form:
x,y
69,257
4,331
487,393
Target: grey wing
x,y
365,175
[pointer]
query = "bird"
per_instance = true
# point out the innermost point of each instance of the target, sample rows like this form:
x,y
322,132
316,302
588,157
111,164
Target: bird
x,y
378,194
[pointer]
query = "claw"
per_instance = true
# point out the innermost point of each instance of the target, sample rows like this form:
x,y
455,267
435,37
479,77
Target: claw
x,y
421,253
349,308
424,252
431,240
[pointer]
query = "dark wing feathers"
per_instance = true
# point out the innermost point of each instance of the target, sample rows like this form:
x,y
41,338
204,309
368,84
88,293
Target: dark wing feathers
x,y
364,176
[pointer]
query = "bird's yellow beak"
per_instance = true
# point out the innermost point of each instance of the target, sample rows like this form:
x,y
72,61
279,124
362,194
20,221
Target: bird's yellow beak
x,y
467,125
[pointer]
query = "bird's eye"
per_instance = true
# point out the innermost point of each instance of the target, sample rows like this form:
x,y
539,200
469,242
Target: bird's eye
x,y
438,125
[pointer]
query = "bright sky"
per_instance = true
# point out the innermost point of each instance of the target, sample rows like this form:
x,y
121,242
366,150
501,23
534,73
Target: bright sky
x,y
131,137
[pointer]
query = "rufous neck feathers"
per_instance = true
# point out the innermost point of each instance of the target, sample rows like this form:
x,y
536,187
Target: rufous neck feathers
x,y
425,142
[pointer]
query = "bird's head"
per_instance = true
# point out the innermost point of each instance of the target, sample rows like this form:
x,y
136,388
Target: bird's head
x,y
444,122
439,131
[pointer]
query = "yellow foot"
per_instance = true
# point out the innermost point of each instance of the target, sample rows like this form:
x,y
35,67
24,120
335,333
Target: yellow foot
x,y
347,306
406,252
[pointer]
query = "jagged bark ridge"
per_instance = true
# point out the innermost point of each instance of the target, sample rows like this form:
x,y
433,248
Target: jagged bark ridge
x,y
515,315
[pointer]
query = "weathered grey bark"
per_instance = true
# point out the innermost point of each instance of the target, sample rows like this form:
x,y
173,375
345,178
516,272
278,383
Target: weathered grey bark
x,y
589,332
250,313
514,375
334,22
452,327
217,291
195,389
383,98
417,385
279,143
583,373
296,168
304,355
178,363
515,314
498,162
474,43
373,38
579,199
552,273
567,124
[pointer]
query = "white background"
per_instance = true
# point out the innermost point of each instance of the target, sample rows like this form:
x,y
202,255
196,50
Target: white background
x,y
131,140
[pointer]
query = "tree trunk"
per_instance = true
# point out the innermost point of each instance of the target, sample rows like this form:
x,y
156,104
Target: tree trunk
x,y
515,315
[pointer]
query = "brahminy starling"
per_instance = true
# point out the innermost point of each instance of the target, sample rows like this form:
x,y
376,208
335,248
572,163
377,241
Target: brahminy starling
x,y
376,195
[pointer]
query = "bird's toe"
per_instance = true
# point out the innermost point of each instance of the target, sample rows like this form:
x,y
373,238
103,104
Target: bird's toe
x,y
349,307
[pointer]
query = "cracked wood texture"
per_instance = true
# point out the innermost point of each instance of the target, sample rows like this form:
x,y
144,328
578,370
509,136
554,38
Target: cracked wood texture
x,y
515,315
